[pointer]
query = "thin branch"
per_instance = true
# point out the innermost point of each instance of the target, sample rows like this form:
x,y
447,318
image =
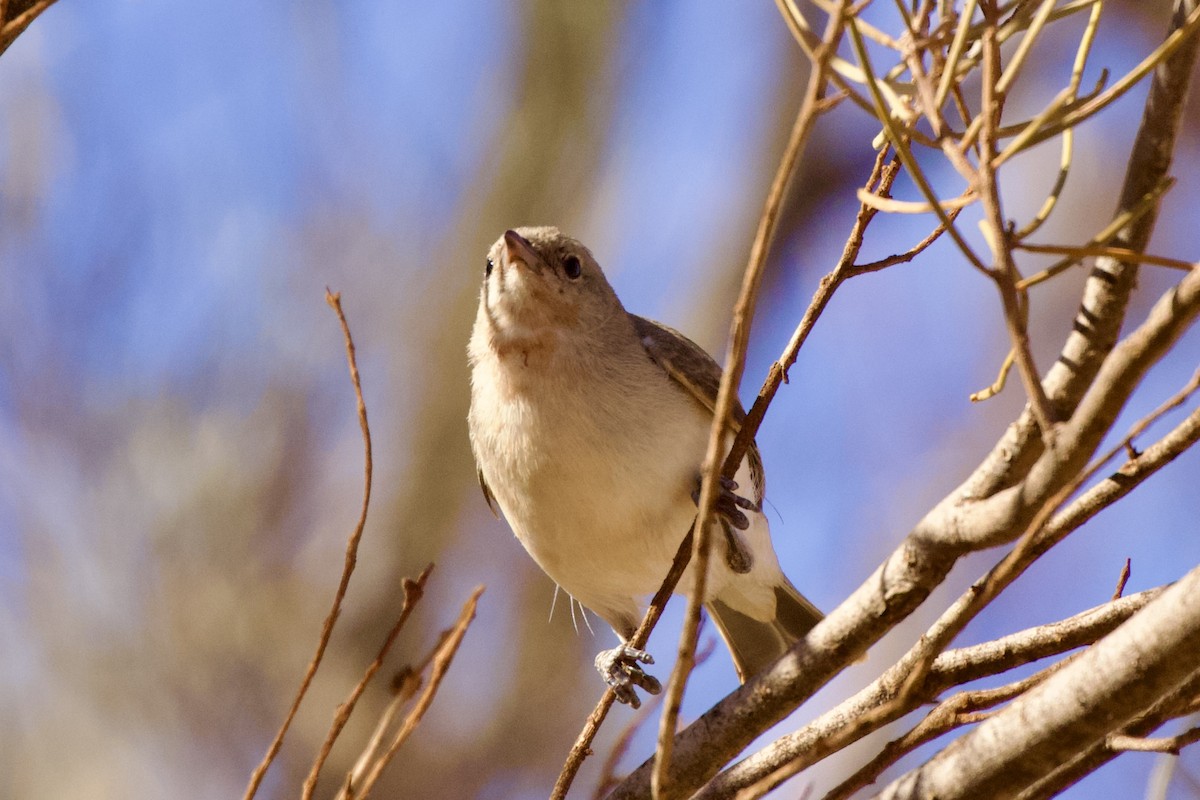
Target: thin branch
x,y
404,687
899,140
1004,270
951,714
1078,252
892,206
1107,290
997,385
1179,39
1122,579
351,558
443,655
906,256
1162,744
883,175
1147,203
582,747
608,772
731,377
413,591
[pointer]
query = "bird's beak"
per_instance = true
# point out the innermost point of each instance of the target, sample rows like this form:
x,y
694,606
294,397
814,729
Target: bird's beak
x,y
518,249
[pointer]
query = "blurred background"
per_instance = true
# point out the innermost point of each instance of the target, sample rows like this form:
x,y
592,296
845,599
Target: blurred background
x,y
180,462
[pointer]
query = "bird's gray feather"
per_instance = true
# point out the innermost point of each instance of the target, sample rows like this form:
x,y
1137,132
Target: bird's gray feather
x,y
686,363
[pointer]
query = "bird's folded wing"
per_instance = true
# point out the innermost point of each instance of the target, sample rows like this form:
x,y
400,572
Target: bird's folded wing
x,y
686,363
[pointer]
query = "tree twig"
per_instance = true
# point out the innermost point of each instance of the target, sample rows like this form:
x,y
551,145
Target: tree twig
x,y
413,591
351,558
731,376
1161,744
1106,293
359,788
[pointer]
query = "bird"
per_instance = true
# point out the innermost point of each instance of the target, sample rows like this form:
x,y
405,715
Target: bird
x,y
589,426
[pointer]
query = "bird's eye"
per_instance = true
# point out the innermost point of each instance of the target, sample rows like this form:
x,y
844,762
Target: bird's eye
x,y
487,271
572,268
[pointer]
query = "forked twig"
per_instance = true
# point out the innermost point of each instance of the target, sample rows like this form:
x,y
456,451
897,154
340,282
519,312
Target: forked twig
x,y
413,591
357,787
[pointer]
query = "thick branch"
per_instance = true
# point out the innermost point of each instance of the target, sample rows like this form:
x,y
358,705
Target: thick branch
x,y
822,736
1109,686
969,524
1178,703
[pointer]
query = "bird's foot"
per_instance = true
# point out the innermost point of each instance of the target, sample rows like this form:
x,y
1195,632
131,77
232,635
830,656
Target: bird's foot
x,y
620,669
729,507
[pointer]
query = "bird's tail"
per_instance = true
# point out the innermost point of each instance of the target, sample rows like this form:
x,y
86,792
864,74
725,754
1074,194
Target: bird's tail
x,y
755,644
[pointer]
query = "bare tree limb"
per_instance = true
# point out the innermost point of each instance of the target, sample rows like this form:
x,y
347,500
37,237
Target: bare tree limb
x,y
731,378
827,733
1176,703
963,708
1110,685
356,787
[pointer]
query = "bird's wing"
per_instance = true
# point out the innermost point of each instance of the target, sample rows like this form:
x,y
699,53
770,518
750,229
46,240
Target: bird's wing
x,y
686,363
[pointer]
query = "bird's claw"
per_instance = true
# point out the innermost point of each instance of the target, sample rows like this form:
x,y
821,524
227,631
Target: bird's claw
x,y
620,669
728,505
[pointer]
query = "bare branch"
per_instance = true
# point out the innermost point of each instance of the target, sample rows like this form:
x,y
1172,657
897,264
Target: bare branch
x,y
1122,579
1077,253
1004,270
1106,293
731,378
335,302
413,591
955,712
843,724
356,788
1135,666
1162,744
1072,769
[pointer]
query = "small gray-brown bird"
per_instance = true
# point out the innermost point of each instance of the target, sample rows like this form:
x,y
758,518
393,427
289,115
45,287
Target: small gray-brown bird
x,y
589,426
